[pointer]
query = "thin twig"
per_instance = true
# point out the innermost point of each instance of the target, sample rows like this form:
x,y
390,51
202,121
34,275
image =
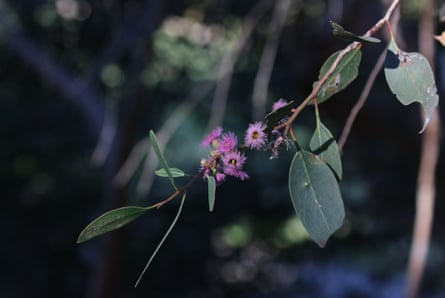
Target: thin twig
x,y
287,125
392,15
377,26
361,101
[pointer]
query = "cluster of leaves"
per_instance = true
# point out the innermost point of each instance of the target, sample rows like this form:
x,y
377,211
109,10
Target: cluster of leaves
x,y
314,172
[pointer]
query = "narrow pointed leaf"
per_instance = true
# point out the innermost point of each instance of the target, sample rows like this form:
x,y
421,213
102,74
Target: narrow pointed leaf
x,y
158,247
411,79
324,145
273,118
345,72
211,191
175,172
315,196
161,157
339,31
110,221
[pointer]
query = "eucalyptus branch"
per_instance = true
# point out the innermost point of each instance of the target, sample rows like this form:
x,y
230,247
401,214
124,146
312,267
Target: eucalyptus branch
x,y
286,125
389,13
314,172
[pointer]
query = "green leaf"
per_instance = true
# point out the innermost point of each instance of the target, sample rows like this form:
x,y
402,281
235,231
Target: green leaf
x,y
411,79
170,228
273,118
174,172
110,221
339,31
324,145
315,196
157,149
211,190
345,72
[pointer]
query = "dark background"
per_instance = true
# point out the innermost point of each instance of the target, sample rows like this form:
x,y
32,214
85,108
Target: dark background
x,y
69,66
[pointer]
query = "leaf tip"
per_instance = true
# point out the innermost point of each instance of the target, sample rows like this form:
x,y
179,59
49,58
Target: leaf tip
x,y
425,125
322,244
81,239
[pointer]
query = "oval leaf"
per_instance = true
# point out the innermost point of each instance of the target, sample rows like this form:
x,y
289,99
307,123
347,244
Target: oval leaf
x,y
110,221
211,190
345,72
411,79
324,145
174,172
315,196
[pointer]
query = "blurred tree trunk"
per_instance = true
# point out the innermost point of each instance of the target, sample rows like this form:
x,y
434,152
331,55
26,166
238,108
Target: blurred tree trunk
x,y
426,185
104,283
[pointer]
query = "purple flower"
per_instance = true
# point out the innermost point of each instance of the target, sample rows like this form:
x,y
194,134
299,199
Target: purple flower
x,y
220,177
255,135
211,137
233,163
240,175
227,143
279,104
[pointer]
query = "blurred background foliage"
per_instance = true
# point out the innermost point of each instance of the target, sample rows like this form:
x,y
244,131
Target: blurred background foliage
x,y
82,83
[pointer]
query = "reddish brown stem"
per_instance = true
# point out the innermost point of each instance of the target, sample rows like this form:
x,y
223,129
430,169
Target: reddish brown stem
x,y
177,192
287,125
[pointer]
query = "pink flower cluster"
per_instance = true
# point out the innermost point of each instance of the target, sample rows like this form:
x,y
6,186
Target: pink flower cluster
x,y
225,158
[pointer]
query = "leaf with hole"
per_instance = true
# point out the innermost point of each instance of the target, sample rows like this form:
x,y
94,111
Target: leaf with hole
x,y
110,221
345,72
411,79
324,145
315,196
